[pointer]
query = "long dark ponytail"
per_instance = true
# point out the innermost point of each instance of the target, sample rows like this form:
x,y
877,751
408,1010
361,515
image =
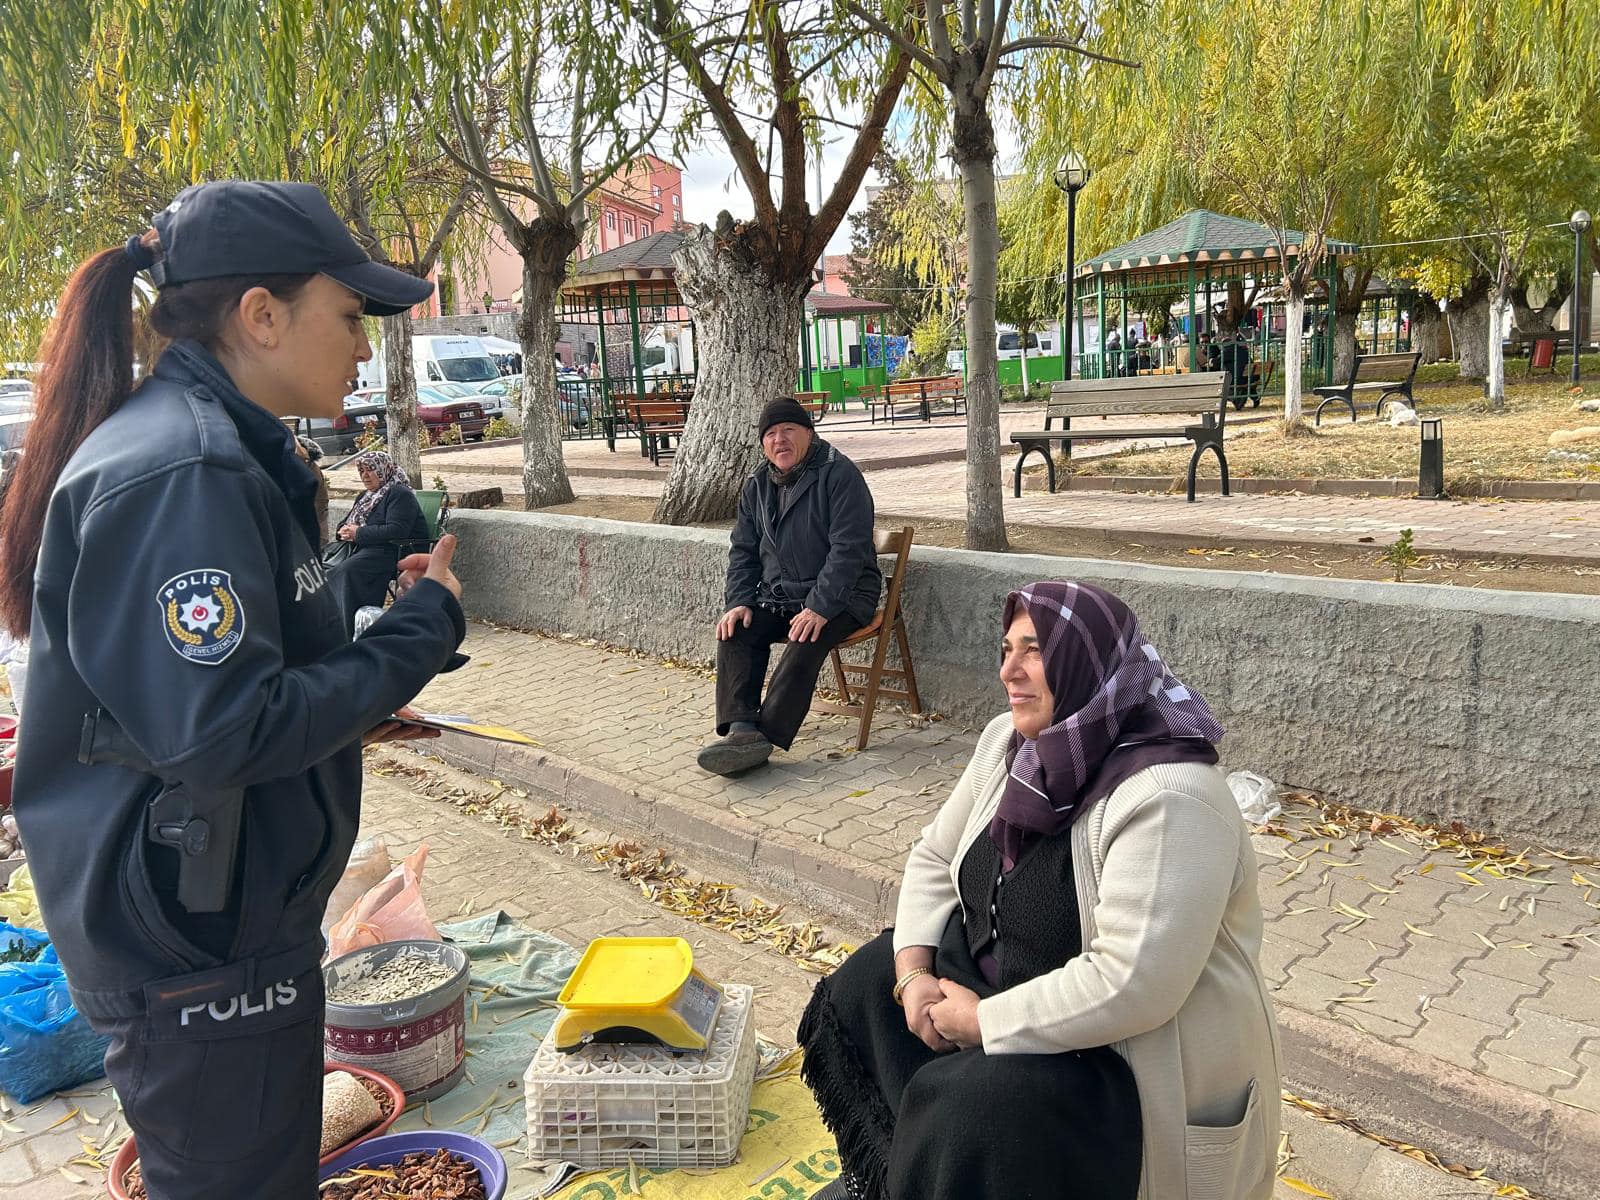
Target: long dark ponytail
x,y
87,374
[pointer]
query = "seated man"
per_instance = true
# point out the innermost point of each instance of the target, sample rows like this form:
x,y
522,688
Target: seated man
x,y
802,570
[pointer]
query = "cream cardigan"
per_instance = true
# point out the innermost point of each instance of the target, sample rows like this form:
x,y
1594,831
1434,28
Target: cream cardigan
x,y
1169,975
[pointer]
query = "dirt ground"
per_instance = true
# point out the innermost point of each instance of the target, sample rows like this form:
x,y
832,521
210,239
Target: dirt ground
x,y
1479,444
1338,562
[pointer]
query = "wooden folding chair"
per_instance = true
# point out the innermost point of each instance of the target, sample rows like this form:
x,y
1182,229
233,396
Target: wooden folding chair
x,y
862,701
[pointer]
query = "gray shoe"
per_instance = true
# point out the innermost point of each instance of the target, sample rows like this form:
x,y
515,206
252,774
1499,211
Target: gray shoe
x,y
739,751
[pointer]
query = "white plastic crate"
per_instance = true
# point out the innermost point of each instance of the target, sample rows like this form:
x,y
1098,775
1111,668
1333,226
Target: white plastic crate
x,y
604,1105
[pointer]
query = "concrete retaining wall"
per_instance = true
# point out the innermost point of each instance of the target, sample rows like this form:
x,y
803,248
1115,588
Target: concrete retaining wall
x,y
1430,701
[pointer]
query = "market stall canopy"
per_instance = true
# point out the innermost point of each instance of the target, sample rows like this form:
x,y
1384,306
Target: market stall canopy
x,y
1200,236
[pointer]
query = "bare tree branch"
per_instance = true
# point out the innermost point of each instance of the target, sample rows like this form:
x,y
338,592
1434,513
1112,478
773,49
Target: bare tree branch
x,y
446,224
1054,43
907,44
478,166
745,155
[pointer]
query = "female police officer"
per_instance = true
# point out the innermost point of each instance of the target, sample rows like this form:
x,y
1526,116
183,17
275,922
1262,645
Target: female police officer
x,y
189,774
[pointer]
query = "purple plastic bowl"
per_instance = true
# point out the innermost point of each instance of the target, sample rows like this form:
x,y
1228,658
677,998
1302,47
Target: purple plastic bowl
x,y
392,1147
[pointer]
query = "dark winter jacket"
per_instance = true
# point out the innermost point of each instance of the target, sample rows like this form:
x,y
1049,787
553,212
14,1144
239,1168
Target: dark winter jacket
x,y
180,598
818,552
395,523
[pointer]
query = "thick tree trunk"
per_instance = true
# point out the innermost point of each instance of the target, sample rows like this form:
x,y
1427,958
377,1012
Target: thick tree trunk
x,y
974,155
1541,318
748,349
1344,344
1353,283
1499,306
1294,307
544,266
1229,314
1425,328
400,396
1469,330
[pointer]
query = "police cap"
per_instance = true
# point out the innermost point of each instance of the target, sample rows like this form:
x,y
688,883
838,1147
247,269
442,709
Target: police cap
x,y
252,227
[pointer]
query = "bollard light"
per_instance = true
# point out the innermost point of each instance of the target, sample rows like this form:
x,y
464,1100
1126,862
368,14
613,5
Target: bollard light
x,y
1430,470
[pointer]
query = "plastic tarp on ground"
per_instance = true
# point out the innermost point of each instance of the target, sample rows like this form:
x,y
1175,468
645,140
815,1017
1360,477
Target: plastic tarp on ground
x,y
517,973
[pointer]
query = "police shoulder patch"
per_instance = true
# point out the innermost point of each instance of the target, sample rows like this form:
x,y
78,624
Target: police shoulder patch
x,y
201,616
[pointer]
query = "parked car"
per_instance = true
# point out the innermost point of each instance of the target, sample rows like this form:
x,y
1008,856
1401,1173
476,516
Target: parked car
x,y
16,389
441,405
338,435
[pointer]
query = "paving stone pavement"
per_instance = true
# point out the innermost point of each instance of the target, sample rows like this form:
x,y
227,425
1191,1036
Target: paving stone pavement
x,y
1557,529
1495,973
475,865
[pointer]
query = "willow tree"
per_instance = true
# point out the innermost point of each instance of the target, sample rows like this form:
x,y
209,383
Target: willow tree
x,y
965,53
539,103
316,109
768,78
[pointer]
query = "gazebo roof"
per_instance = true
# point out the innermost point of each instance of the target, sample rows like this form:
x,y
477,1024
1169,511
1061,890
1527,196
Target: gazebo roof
x,y
835,304
1200,236
647,261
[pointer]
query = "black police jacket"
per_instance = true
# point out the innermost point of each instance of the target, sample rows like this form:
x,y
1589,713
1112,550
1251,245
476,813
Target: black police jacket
x,y
816,554
180,593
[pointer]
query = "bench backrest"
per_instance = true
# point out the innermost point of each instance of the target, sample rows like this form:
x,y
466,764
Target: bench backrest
x,y
658,412
1386,366
900,390
945,386
1127,396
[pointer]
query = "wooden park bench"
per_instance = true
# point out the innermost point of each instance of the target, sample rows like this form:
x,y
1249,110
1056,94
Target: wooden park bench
x,y
945,391
1202,394
868,393
815,403
1389,375
658,422
900,400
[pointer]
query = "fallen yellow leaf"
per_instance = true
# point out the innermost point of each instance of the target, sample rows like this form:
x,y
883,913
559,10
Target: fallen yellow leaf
x,y
1301,1185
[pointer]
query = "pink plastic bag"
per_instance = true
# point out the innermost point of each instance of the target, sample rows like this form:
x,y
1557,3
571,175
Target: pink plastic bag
x,y
392,911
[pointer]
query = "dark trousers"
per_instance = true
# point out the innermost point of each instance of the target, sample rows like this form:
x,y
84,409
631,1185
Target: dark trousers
x,y
742,668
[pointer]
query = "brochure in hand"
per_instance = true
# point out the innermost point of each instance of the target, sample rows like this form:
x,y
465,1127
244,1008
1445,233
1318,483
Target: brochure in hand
x,y
461,723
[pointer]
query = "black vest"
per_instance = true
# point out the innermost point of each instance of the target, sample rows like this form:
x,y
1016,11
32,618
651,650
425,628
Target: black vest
x,y
1028,917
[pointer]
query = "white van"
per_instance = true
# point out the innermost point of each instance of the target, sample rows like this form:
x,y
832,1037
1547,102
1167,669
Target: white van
x,y
452,360
1008,343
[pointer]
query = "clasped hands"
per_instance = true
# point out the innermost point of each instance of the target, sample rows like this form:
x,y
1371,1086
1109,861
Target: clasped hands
x,y
942,1013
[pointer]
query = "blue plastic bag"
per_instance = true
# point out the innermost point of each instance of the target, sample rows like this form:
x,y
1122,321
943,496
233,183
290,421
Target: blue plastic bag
x,y
45,1044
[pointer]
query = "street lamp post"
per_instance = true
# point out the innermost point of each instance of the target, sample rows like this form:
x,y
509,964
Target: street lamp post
x,y
1071,175
1579,224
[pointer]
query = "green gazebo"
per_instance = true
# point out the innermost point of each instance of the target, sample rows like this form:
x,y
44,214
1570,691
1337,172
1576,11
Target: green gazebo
x,y
832,365
1202,272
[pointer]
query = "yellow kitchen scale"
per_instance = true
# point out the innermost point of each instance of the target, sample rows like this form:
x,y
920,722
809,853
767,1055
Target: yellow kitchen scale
x,y
637,990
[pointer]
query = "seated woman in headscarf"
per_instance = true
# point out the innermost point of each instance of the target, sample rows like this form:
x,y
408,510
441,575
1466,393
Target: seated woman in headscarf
x,y
1070,1000
384,524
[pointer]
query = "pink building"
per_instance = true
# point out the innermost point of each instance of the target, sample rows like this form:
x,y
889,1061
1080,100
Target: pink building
x,y
644,198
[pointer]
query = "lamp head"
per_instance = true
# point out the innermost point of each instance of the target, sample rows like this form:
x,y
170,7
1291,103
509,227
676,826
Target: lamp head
x,y
1072,172
1580,221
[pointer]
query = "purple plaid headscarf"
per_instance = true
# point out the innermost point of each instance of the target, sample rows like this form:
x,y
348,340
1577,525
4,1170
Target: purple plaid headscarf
x,y
1117,711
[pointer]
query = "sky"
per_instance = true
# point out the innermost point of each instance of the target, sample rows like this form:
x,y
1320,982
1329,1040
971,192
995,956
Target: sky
x,y
711,183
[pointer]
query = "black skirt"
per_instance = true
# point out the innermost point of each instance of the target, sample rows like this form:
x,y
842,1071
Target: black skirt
x,y
914,1124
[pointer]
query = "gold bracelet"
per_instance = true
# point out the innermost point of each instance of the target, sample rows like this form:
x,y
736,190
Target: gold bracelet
x,y
900,984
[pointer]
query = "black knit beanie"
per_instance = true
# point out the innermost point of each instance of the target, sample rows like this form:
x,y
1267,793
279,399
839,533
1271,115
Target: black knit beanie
x,y
784,408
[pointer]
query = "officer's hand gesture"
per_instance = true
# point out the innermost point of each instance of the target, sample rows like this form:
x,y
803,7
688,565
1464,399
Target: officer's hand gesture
x,y
435,566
